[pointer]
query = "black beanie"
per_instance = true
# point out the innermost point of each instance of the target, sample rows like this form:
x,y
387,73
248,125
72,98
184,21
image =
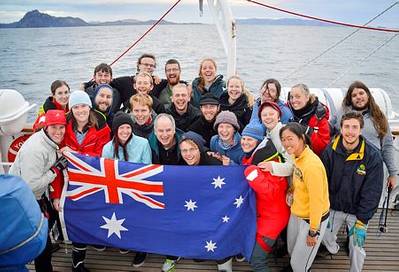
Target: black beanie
x,y
121,118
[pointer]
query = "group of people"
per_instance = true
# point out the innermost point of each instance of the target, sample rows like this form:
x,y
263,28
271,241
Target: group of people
x,y
310,173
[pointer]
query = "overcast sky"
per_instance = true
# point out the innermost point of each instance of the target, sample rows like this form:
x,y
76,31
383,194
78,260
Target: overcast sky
x,y
351,11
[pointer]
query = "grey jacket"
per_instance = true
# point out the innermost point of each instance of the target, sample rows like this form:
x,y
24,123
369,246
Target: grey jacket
x,y
33,162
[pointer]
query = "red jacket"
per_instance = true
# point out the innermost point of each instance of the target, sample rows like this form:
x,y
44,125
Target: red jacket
x,y
93,142
272,210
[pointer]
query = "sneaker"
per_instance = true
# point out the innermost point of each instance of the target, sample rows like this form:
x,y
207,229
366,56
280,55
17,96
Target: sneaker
x,y
139,259
239,258
169,265
99,248
226,266
124,251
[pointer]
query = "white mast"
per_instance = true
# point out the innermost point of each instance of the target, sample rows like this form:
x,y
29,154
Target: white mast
x,y
226,26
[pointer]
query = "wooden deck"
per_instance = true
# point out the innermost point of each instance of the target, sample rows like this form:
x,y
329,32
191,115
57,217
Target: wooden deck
x,y
382,255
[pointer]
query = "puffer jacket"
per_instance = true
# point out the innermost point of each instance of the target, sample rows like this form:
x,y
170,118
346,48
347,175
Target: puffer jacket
x,y
33,162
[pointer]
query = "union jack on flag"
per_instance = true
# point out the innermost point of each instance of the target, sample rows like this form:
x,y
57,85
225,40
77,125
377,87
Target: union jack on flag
x,y
108,176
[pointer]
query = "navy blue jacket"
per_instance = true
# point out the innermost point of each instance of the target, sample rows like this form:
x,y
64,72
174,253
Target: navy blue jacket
x,y
354,180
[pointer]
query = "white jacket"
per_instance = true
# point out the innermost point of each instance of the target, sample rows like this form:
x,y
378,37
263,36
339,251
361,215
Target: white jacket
x,y
279,169
33,162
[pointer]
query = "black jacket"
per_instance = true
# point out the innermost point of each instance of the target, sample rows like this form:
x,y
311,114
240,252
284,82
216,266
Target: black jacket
x,y
354,180
240,108
203,128
185,120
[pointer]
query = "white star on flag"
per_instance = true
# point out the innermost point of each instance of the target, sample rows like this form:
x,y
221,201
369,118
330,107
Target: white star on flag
x,y
114,226
210,246
218,182
191,205
225,219
239,201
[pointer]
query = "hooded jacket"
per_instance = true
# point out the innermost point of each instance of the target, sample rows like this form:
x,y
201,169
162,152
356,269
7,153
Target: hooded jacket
x,y
235,152
355,179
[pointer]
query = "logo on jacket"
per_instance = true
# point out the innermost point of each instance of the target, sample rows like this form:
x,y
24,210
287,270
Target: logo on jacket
x,y
298,173
361,170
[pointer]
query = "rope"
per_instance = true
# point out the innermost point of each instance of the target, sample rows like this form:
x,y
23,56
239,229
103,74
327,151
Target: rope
x,y
325,20
145,34
364,59
337,43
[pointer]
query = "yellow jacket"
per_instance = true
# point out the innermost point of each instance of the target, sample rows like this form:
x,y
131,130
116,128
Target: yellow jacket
x,y
310,186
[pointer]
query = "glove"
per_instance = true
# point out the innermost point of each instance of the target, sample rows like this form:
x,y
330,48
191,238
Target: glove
x,y
60,164
359,232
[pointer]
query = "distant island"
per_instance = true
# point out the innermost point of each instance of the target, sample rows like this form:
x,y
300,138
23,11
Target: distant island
x,y
35,19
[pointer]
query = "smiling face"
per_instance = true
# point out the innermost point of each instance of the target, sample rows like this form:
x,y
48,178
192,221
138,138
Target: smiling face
x,y
350,131
124,132
102,77
81,113
172,72
226,132
56,133
209,111
190,152
298,98
234,88
61,95
143,83
270,117
292,143
268,92
208,71
180,97
165,132
141,113
359,99
248,143
103,99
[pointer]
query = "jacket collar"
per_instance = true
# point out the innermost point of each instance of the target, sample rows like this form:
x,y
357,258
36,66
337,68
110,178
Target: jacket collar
x,y
358,155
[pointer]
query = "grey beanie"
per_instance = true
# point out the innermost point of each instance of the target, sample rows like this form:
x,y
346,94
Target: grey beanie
x,y
79,97
226,117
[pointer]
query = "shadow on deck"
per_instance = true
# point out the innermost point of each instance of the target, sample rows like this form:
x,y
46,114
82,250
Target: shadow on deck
x,y
382,255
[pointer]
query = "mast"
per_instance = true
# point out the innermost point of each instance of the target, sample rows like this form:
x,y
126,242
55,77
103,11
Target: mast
x,y
226,27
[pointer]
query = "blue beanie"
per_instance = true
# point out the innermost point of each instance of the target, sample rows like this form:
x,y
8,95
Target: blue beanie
x,y
254,130
101,86
196,138
79,97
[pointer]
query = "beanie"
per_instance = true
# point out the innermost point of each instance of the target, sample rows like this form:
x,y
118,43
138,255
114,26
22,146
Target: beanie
x,y
103,86
269,104
121,118
254,130
196,138
79,97
226,117
55,117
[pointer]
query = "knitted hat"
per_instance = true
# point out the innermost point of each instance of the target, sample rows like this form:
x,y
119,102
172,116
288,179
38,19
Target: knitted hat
x,y
121,118
209,99
254,130
102,86
226,117
269,104
79,97
196,138
55,117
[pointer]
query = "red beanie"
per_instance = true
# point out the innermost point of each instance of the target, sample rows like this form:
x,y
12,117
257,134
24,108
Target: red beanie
x,y
55,117
269,104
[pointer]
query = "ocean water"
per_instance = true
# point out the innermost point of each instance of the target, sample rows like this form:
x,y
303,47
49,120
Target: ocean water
x,y
32,58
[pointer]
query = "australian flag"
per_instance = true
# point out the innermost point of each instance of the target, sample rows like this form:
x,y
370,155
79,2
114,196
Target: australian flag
x,y
202,212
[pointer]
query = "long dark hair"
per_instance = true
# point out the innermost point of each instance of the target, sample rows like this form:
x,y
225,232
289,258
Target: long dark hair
x,y
298,130
379,119
56,84
116,142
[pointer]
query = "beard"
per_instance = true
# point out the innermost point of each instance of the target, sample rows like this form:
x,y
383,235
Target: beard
x,y
360,108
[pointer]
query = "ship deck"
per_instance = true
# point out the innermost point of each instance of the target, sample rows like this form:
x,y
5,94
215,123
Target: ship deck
x,y
382,255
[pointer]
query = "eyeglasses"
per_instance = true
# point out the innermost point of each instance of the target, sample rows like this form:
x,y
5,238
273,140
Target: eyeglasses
x,y
148,65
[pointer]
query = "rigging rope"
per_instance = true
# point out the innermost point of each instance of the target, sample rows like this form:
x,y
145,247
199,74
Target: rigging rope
x,y
324,20
337,43
364,59
148,31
